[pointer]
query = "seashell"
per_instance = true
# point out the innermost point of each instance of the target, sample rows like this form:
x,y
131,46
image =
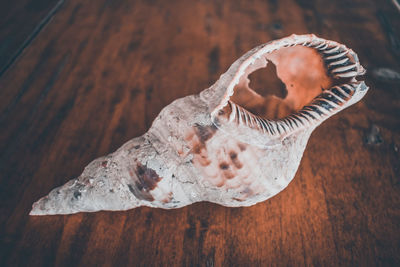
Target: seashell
x,y
228,145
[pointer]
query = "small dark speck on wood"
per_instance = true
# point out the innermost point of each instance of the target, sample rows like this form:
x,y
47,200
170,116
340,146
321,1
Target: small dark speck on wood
x,y
213,64
386,75
373,136
390,34
149,91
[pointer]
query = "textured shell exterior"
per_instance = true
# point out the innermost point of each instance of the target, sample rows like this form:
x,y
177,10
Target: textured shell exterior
x,y
207,148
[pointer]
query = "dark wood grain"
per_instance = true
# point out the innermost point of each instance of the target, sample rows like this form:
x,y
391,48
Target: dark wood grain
x,y
20,22
101,71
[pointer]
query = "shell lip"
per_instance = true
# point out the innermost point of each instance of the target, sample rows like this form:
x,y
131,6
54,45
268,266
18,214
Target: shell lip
x,y
341,63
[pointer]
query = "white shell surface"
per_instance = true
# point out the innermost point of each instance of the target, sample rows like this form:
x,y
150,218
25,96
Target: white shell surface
x,y
207,148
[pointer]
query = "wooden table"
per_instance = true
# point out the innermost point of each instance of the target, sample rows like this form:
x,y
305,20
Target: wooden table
x,y
80,78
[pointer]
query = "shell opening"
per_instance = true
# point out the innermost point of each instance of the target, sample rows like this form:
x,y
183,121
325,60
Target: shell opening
x,y
316,78
301,75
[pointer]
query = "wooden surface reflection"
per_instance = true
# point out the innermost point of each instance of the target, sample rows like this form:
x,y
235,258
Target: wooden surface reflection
x,y
98,72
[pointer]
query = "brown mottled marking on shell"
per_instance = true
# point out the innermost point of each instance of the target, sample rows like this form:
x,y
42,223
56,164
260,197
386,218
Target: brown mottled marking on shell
x,y
242,146
145,180
235,160
198,141
221,167
204,133
229,174
224,166
168,198
226,170
246,193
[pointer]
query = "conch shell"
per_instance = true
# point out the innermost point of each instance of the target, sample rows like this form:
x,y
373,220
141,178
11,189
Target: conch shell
x,y
228,145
